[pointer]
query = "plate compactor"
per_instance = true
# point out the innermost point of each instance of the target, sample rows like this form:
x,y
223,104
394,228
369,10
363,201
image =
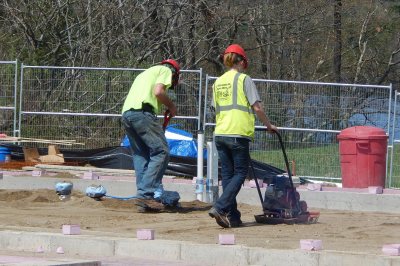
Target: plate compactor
x,y
281,202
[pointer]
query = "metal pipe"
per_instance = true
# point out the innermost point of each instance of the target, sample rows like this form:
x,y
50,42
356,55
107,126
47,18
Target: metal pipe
x,y
200,161
15,98
212,188
316,83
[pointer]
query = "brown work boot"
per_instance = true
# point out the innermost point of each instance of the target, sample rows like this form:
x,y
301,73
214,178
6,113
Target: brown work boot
x,y
221,219
141,209
148,205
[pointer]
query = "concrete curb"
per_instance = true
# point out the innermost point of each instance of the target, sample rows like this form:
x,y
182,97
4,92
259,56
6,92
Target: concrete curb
x,y
27,261
207,254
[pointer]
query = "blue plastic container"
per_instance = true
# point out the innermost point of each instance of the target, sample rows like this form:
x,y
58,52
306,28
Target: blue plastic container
x,y
3,154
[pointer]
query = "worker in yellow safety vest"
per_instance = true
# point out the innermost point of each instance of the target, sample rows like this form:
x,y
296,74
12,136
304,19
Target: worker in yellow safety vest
x,y
235,99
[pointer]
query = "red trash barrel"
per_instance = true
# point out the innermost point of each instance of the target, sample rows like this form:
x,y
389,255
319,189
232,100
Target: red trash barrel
x,y
363,156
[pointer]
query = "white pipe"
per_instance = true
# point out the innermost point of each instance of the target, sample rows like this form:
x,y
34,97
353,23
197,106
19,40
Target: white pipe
x,y
212,173
200,162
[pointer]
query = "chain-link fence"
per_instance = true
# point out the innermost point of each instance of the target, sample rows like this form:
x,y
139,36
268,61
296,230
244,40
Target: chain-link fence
x,y
84,104
8,97
394,169
310,115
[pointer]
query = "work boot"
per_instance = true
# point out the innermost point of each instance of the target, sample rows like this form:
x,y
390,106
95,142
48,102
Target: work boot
x,y
141,209
221,219
235,223
234,218
151,205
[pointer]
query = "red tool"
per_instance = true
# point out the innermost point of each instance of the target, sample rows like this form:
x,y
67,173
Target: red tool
x,y
167,117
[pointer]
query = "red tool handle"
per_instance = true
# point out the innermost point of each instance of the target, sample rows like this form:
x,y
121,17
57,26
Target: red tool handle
x,y
167,117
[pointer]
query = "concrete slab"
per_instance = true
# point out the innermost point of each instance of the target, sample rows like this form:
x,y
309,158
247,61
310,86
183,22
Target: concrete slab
x,y
29,261
45,259
351,201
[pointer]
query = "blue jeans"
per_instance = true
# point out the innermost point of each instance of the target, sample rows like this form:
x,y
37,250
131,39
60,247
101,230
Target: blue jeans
x,y
150,150
235,158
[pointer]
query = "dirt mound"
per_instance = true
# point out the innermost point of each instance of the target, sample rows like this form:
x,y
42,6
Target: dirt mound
x,y
78,199
29,196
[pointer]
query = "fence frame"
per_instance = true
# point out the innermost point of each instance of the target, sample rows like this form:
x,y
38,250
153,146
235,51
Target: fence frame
x,y
23,112
14,108
389,87
393,140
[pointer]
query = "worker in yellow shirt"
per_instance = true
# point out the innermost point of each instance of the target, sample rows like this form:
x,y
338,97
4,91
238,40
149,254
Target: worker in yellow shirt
x,y
139,118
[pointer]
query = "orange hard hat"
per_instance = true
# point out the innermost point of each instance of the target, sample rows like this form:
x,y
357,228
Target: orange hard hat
x,y
237,49
175,65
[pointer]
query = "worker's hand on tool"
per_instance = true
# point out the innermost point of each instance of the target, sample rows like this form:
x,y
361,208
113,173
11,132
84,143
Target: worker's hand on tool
x,y
272,129
172,111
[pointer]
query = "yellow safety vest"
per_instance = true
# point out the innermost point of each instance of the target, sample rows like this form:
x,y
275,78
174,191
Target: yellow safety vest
x,y
234,115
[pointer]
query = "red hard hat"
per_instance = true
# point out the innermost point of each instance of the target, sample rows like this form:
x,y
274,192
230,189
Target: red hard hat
x,y
173,63
237,49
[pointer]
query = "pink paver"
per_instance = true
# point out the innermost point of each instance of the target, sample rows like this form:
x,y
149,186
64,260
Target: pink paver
x,y
375,190
226,239
391,249
252,183
310,244
90,175
145,234
314,187
71,229
38,172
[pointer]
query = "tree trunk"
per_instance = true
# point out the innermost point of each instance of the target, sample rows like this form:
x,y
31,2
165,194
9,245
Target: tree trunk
x,y
337,49
337,64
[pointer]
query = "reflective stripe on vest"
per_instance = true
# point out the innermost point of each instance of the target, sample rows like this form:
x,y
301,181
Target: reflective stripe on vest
x,y
234,104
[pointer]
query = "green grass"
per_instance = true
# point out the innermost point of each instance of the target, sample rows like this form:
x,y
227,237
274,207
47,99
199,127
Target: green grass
x,y
322,161
395,180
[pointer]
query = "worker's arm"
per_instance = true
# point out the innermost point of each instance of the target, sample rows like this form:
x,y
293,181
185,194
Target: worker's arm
x,y
161,95
258,109
255,102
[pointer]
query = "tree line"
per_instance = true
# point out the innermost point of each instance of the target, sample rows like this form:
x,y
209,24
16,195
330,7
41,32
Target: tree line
x,y
351,41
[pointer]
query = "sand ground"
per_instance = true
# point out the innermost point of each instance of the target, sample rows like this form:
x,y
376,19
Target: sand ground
x,y
42,210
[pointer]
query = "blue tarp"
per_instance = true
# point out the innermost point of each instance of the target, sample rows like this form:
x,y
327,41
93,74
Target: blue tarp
x,y
180,142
